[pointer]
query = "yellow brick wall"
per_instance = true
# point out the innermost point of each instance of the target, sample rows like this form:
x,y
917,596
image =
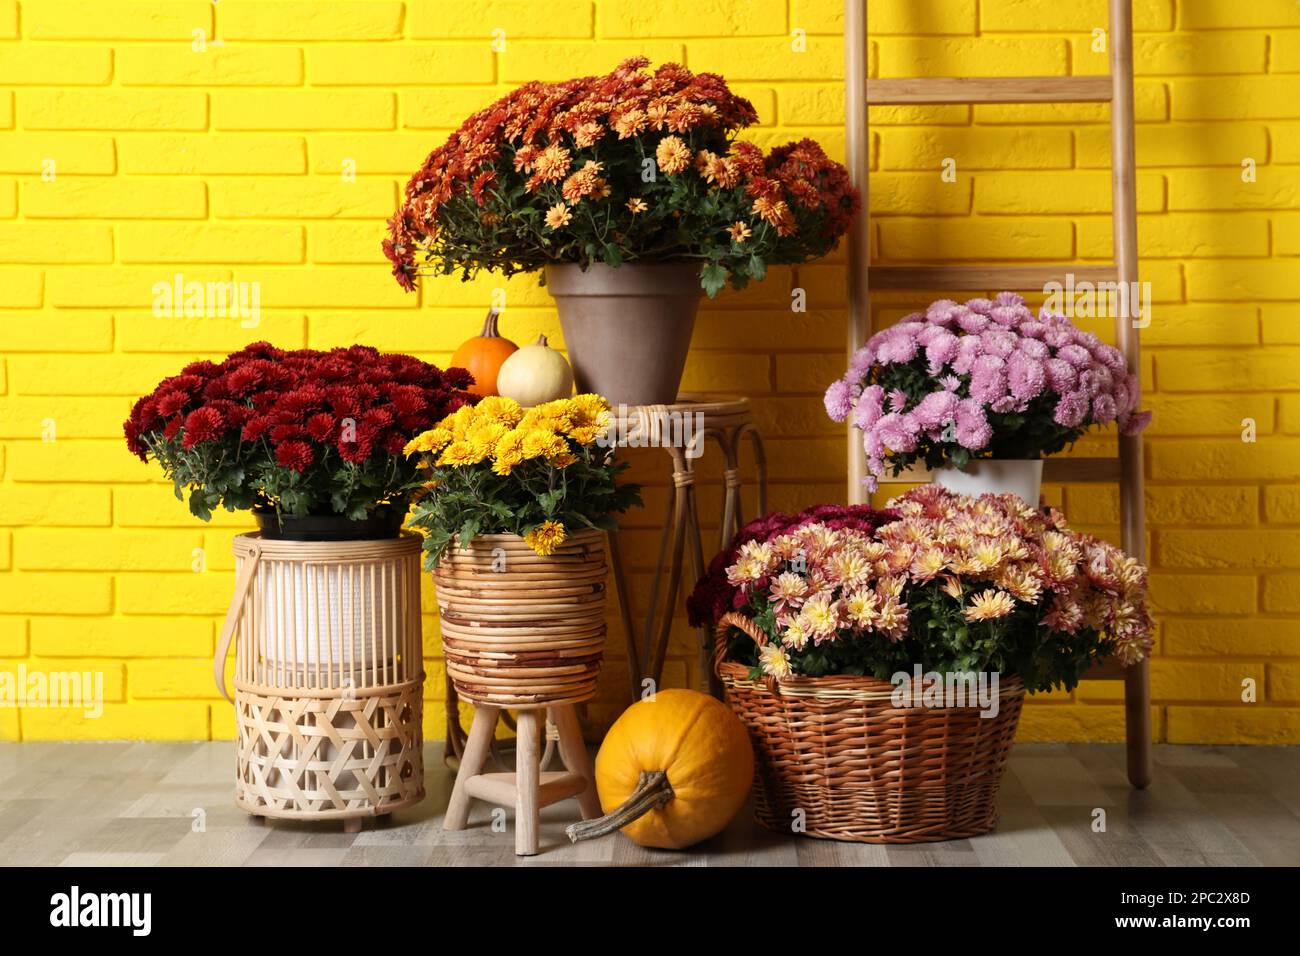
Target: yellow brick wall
x,y
227,162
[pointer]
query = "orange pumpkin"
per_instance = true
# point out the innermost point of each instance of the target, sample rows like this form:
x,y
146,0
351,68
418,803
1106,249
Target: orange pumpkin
x,y
483,355
672,771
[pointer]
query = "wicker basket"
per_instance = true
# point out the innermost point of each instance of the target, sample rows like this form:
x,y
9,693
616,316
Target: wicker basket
x,y
836,759
328,676
520,630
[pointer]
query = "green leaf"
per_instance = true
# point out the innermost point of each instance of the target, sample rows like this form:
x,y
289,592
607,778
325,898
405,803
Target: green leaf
x,y
713,277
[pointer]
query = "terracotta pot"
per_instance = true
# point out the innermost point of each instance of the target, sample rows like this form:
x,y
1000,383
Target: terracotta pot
x,y
627,329
998,476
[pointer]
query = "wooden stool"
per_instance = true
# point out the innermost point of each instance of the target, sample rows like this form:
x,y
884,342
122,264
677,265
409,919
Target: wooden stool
x,y
528,789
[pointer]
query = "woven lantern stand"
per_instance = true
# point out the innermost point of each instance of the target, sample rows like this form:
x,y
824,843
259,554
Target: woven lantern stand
x,y
526,633
328,677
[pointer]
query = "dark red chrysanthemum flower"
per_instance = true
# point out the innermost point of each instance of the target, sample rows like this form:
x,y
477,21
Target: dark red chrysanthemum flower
x,y
170,403
321,426
203,424
295,455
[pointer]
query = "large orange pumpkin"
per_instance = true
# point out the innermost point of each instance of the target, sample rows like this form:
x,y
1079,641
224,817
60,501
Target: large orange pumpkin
x,y
484,355
672,771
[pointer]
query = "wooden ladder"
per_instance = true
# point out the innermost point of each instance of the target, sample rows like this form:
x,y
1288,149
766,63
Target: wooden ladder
x,y
1115,89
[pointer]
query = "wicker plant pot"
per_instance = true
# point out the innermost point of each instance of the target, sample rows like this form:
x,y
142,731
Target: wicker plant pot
x,y
328,677
520,630
834,758
523,632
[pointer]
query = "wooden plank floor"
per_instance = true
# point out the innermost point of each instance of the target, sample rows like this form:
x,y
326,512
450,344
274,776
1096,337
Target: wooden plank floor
x,y
171,804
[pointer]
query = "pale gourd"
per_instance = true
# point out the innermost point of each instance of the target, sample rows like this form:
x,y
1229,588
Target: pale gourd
x,y
535,374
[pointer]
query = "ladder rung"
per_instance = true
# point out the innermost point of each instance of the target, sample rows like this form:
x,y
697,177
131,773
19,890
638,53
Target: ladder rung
x,y
1055,471
1079,470
969,278
989,89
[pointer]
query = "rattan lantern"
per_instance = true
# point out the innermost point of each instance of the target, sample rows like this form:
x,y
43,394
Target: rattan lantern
x,y
328,677
526,633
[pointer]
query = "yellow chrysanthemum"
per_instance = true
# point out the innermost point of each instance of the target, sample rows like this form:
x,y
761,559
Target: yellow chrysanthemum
x,y
459,421
552,416
562,460
539,443
546,537
586,434
461,453
589,405
509,451
486,434
435,439
499,408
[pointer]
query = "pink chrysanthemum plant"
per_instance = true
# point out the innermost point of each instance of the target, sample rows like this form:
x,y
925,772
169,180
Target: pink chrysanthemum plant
x,y
987,379
955,583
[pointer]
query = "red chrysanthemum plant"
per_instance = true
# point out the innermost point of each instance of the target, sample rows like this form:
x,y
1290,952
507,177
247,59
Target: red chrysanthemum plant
x,y
300,432
630,166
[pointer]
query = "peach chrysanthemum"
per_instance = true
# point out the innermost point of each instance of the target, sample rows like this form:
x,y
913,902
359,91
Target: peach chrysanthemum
x,y
553,163
558,215
861,608
636,205
774,661
989,605
672,155
739,231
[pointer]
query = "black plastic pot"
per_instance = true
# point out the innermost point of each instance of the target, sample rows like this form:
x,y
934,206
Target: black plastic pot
x,y
286,527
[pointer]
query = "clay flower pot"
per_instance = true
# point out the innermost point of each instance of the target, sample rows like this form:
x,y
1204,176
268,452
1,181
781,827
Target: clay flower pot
x,y
627,329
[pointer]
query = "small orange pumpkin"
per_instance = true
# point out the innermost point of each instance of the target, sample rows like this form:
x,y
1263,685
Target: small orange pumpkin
x,y
484,355
672,771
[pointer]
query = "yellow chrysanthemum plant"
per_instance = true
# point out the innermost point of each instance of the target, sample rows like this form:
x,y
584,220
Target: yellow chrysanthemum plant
x,y
543,473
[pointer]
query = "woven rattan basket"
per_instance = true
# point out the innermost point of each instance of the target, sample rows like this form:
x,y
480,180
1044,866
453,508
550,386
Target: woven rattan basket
x,y
328,676
834,758
520,630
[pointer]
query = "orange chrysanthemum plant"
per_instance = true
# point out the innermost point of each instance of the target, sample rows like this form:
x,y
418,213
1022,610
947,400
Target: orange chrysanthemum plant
x,y
954,584
631,166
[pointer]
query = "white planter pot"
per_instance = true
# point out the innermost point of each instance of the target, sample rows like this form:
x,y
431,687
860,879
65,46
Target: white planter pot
x,y
318,614
995,476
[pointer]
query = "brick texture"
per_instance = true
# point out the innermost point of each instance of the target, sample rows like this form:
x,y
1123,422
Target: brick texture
x,y
268,141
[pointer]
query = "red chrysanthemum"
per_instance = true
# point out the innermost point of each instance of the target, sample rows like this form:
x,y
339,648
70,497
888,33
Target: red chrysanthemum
x,y
294,455
321,426
203,424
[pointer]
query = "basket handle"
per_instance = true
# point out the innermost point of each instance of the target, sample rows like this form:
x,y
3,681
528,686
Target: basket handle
x,y
243,581
729,620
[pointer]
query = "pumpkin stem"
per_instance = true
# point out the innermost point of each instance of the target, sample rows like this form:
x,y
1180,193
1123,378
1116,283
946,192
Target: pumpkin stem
x,y
652,792
490,324
541,340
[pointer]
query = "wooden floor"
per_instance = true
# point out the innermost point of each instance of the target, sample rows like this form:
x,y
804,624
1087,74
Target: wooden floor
x,y
136,804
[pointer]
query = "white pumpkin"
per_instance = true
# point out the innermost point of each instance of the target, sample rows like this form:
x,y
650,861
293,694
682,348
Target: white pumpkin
x,y
535,374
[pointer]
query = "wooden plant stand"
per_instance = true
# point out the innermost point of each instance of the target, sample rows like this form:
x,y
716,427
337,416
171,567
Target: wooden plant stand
x,y
523,633
528,789
727,422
